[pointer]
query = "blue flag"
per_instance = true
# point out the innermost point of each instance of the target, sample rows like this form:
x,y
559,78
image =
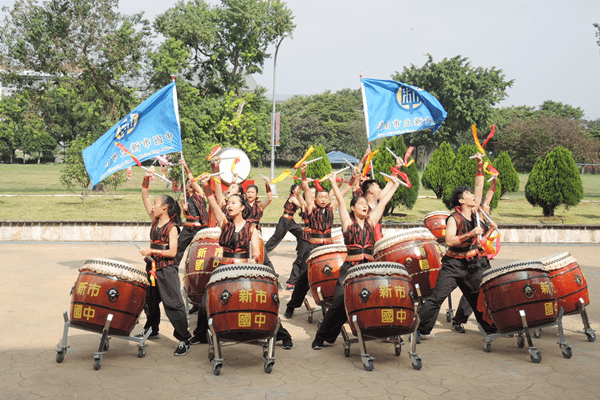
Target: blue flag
x,y
395,108
150,130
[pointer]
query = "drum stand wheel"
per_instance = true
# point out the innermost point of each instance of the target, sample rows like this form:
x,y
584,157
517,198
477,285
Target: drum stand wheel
x,y
589,332
61,350
534,353
310,310
215,353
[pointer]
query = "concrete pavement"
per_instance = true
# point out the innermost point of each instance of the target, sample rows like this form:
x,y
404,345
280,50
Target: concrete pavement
x,y
38,278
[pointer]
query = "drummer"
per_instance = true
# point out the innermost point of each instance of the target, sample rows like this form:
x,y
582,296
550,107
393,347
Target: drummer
x,y
257,208
233,188
359,236
165,214
239,239
464,310
460,264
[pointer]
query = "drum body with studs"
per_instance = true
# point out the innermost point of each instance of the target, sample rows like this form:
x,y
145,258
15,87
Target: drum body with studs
x,y
243,301
522,285
108,287
436,222
568,280
379,295
324,265
201,258
417,249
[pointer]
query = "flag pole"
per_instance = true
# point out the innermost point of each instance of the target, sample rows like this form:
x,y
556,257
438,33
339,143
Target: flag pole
x,y
366,111
182,169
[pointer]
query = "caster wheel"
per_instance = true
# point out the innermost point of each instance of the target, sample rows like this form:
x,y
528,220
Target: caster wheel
x,y
417,364
368,366
211,356
97,364
448,316
106,345
269,367
537,358
537,333
397,350
347,352
265,354
310,319
60,356
520,342
217,369
591,336
487,347
567,352
142,353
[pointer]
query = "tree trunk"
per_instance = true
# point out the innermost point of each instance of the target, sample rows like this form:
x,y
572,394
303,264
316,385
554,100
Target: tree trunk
x,y
548,211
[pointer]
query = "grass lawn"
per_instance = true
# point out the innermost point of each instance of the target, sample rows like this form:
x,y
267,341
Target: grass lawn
x,y
33,192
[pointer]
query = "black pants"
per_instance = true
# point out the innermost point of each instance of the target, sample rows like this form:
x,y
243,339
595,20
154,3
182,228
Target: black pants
x,y
301,247
284,226
167,290
464,310
336,316
455,272
185,238
301,287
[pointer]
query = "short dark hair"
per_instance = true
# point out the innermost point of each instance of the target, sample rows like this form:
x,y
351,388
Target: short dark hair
x,y
293,187
252,186
366,185
457,194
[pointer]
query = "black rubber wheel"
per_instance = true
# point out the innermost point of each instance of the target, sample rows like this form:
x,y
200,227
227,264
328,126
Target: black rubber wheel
x,y
520,342
397,350
310,319
142,353
217,369
537,358
60,356
487,347
567,352
368,366
211,356
269,367
417,364
347,352
591,336
97,364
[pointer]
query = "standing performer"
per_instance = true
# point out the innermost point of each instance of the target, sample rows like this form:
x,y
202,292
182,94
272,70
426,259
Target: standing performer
x,y
238,238
464,309
165,214
359,237
460,264
256,211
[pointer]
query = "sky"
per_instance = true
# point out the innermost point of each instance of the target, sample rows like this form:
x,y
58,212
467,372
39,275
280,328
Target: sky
x,y
548,47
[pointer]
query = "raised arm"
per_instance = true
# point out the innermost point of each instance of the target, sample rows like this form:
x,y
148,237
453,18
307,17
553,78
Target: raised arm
x,y
146,191
343,211
390,189
265,202
212,202
490,193
214,168
479,177
308,196
190,177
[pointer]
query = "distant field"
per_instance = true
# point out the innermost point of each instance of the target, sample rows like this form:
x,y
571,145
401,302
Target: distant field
x,y
38,195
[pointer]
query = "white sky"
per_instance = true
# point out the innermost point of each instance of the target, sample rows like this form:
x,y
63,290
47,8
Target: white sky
x,y
548,47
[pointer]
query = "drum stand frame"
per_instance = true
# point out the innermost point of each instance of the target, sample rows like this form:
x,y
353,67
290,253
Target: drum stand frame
x,y
61,350
534,353
587,329
215,354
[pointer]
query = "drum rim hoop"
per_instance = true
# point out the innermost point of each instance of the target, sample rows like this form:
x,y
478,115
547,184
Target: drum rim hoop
x,y
221,272
558,261
321,250
139,276
203,234
512,267
363,269
389,241
433,213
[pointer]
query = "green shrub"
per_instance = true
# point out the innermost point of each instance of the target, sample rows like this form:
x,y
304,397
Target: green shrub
x,y
434,176
508,175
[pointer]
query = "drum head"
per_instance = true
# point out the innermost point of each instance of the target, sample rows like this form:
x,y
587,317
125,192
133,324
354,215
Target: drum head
x,y
118,269
242,168
511,267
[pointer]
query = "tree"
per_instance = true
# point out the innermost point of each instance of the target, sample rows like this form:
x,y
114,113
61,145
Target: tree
x,y
382,162
467,93
508,177
463,174
554,181
558,109
434,176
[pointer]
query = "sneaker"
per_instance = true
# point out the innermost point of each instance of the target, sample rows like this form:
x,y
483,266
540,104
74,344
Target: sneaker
x,y
143,333
182,348
289,287
458,328
287,344
289,313
194,310
197,340
317,344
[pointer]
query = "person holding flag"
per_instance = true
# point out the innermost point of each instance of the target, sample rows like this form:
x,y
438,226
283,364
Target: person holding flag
x,y
164,276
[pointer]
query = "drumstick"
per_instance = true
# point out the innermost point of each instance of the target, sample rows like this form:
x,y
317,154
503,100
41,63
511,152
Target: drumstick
x,y
478,224
341,170
210,175
228,158
486,216
146,258
392,153
313,160
135,245
390,178
349,163
160,176
492,178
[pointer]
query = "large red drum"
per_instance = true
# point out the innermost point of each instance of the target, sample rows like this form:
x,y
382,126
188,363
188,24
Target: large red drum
x,y
201,258
108,287
243,301
568,280
436,222
324,265
416,249
522,285
379,295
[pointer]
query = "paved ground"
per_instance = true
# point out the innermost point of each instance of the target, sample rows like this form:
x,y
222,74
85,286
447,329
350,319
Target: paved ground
x,y
37,279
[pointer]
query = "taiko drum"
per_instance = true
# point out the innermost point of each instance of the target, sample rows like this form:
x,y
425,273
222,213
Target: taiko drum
x,y
379,295
108,287
261,255
436,223
201,258
416,249
568,280
522,285
324,265
243,301
337,236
